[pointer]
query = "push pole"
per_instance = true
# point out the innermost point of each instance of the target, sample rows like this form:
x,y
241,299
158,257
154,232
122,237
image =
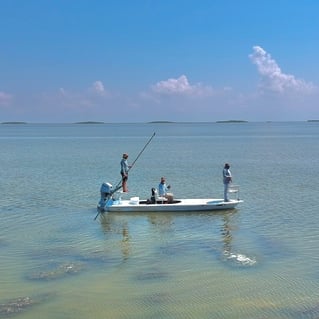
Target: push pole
x,y
118,186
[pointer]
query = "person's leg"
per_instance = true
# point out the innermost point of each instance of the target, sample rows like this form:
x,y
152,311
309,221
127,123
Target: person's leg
x,y
169,197
226,185
124,183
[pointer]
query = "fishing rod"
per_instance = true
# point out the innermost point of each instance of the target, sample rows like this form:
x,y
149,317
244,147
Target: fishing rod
x,y
118,186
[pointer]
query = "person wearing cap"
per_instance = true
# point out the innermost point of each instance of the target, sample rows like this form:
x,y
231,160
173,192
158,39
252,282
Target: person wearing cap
x,y
125,167
227,179
163,190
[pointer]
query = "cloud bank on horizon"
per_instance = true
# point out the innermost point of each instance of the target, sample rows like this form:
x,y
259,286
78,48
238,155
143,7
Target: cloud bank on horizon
x,y
175,99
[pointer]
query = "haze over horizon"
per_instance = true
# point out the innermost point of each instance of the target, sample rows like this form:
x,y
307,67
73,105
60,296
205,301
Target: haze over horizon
x,y
144,61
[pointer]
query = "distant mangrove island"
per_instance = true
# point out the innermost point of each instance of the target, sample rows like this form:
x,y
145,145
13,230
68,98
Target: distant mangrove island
x,y
160,122
225,121
14,123
89,122
150,122
232,121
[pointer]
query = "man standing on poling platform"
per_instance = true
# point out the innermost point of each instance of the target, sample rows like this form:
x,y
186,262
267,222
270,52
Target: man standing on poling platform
x,y
227,179
124,172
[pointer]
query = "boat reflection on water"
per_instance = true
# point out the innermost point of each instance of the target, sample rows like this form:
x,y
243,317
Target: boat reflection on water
x,y
229,254
116,229
125,243
113,226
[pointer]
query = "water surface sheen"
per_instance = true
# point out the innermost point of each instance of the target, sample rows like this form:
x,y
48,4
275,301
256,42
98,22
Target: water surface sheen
x,y
259,261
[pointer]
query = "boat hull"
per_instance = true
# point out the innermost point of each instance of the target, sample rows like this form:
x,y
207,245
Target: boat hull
x,y
178,205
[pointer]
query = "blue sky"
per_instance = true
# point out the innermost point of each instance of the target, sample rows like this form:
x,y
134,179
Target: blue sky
x,y
143,60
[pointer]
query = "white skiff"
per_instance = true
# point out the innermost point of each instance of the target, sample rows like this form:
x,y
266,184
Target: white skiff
x,y
178,205
111,201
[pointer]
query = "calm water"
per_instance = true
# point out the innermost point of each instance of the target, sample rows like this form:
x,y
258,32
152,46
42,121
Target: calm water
x,y
259,261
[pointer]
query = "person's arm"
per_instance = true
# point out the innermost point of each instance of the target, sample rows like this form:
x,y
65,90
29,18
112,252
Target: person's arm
x,y
122,166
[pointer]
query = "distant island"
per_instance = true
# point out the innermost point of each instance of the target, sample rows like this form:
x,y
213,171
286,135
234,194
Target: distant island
x,y
232,121
313,121
14,123
89,122
172,122
160,122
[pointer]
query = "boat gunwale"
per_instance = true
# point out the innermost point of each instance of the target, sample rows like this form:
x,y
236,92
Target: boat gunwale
x,y
179,205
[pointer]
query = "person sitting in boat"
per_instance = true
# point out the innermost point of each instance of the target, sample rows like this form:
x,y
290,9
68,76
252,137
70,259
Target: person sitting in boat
x,y
163,190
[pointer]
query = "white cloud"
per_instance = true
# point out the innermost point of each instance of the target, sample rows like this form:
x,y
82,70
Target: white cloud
x,y
5,99
91,96
98,88
272,77
181,86
62,91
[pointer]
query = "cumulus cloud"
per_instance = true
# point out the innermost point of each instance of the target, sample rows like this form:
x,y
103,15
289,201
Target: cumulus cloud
x,y
181,86
98,88
5,99
271,75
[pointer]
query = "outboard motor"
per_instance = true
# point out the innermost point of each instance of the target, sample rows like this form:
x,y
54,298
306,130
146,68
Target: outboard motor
x,y
106,192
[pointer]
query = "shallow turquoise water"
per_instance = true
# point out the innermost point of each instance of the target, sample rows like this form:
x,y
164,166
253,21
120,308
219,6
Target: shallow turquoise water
x,y
259,261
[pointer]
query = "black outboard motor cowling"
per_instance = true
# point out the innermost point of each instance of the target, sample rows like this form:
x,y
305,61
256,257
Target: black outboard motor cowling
x,y
154,195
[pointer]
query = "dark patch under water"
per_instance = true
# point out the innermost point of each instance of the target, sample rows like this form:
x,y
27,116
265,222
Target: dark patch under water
x,y
15,306
158,298
57,271
63,255
152,275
